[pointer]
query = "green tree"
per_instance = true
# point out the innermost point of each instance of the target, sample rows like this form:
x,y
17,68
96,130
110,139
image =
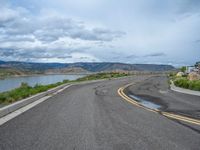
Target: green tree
x,y
197,63
183,69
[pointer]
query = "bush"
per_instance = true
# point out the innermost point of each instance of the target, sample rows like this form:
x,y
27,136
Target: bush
x,y
187,84
183,69
172,74
25,91
102,76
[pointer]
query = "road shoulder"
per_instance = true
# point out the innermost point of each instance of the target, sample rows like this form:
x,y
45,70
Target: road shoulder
x,y
182,90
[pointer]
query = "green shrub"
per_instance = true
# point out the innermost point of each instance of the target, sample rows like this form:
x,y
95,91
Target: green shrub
x,y
183,69
185,83
102,76
25,91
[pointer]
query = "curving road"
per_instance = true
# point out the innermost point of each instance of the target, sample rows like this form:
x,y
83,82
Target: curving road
x,y
156,89
94,117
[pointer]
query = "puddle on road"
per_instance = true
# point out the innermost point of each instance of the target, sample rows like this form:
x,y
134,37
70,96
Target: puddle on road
x,y
145,103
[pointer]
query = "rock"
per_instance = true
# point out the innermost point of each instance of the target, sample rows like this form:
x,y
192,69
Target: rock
x,y
193,76
180,74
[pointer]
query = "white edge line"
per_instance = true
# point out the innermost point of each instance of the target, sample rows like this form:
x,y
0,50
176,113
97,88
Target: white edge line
x,y
27,107
23,109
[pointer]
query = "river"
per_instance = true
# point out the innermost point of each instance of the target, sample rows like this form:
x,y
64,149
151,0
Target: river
x,y
11,83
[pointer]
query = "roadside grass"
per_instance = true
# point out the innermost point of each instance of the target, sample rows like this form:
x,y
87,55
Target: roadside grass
x,y
187,84
102,76
183,82
26,90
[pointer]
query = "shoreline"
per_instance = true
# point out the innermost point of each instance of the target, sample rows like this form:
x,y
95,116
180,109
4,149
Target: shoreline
x,y
42,74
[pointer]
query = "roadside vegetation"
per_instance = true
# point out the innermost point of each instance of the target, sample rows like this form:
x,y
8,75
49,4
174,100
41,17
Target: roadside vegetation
x,y
26,90
102,76
184,82
187,84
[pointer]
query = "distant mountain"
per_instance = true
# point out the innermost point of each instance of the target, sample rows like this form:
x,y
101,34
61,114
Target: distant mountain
x,y
153,67
31,66
104,66
67,70
6,72
107,66
83,66
2,62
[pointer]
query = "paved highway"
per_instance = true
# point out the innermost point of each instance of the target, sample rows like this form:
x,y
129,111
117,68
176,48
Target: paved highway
x,y
156,89
94,117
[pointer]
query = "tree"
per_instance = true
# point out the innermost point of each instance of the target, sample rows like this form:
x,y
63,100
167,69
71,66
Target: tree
x,y
183,69
197,63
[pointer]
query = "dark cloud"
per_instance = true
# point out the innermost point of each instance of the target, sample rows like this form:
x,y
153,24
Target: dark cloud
x,y
131,56
83,57
17,38
28,37
64,57
20,53
188,5
155,55
7,15
37,30
50,29
197,41
6,52
38,53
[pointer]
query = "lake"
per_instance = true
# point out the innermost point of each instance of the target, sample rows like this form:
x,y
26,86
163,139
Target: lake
x,y
11,83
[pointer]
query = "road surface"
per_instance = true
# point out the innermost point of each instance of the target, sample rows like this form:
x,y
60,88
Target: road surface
x,y
156,89
94,117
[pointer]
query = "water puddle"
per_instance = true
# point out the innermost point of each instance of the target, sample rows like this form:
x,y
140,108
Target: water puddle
x,y
145,103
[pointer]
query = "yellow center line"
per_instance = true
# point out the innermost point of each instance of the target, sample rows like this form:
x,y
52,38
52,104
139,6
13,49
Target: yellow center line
x,y
181,117
166,114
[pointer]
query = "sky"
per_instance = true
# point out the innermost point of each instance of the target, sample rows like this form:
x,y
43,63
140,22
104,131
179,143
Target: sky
x,y
128,31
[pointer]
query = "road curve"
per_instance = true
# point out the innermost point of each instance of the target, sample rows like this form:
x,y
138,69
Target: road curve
x,y
156,89
94,117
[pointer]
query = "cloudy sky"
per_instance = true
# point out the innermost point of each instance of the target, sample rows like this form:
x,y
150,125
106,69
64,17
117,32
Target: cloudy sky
x,y
129,31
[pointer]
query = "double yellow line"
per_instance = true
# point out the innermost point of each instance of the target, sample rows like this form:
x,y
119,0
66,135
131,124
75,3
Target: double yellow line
x,y
166,114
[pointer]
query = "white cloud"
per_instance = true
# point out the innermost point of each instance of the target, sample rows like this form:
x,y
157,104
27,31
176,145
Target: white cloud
x,y
7,15
52,29
23,36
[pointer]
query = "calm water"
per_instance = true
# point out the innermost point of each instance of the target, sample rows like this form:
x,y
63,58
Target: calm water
x,y
11,83
145,103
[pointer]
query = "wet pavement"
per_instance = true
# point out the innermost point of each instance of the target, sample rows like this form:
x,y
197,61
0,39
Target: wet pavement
x,y
145,102
156,90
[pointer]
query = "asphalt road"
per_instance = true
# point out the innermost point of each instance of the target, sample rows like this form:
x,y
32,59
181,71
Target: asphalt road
x,y
156,89
94,117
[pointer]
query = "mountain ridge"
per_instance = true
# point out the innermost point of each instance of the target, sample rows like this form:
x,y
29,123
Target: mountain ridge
x,y
88,66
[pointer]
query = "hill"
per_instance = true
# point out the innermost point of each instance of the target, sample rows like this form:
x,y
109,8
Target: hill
x,y
69,70
5,72
28,67
107,66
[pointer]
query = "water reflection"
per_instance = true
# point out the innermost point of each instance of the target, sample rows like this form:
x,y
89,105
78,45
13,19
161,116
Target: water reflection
x,y
145,103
